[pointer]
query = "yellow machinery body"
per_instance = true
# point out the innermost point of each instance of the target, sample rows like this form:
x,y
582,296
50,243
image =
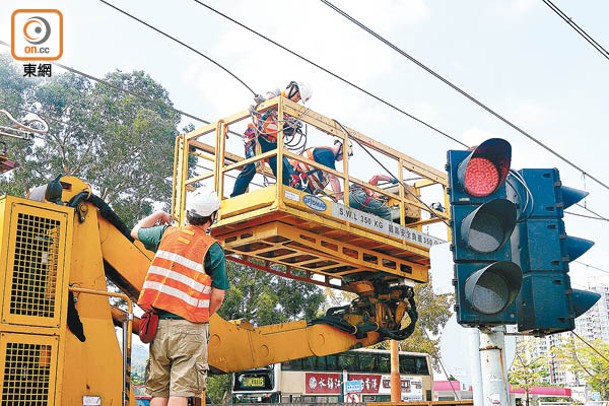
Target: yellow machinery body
x,y
49,250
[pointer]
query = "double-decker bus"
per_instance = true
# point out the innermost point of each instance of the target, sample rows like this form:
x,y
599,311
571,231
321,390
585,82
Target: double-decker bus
x,y
353,376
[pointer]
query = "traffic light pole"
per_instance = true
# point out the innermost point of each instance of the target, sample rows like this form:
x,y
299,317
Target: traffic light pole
x,y
492,366
474,365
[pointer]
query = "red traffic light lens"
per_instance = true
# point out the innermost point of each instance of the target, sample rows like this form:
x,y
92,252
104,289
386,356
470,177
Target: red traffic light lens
x,y
483,172
481,177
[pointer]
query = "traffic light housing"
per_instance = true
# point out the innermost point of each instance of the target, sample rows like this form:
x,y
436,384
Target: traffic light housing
x,y
486,281
547,304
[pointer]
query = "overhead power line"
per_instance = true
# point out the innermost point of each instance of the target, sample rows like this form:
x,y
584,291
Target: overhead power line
x,y
132,93
578,29
116,87
586,217
593,267
181,43
331,73
598,216
461,91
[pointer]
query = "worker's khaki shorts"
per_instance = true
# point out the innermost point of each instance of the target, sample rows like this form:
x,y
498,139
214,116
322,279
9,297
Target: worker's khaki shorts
x,y
177,365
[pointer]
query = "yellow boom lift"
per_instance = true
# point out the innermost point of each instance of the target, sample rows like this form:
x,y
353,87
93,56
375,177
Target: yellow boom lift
x,y
58,344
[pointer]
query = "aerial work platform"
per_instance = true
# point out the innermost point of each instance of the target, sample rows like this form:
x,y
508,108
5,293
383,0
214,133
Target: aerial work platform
x,y
304,236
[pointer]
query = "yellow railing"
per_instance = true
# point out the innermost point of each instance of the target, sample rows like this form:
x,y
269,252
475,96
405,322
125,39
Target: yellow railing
x,y
210,145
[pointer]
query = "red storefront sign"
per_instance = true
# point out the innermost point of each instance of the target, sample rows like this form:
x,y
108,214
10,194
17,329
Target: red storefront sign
x,y
323,383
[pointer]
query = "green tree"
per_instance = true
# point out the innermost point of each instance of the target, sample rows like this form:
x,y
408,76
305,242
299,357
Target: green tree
x,y
587,360
121,142
133,154
529,367
218,388
264,298
13,88
434,312
63,101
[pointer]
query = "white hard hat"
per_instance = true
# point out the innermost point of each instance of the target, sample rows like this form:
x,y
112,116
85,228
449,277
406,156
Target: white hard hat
x,y
203,202
305,91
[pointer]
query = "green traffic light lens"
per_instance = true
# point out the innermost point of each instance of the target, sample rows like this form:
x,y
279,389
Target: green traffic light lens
x,y
491,289
486,229
490,294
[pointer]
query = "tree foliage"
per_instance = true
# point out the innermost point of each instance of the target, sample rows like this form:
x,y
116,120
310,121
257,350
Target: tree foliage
x,y
13,89
119,141
264,298
529,367
589,361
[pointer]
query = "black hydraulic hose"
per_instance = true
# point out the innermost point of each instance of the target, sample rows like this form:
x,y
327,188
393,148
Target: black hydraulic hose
x,y
104,209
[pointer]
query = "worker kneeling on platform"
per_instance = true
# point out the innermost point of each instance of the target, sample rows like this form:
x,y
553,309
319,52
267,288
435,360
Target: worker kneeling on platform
x,y
314,180
185,284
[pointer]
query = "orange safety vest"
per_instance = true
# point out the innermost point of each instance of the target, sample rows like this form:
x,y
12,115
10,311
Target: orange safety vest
x,y
316,178
176,280
269,126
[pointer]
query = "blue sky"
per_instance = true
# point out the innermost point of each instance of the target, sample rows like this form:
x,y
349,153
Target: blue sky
x,y
517,56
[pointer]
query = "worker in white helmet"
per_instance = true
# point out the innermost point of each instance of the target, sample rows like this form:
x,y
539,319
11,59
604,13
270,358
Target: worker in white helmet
x,y
185,285
263,134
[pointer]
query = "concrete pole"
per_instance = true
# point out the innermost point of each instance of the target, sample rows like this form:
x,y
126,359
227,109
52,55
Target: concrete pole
x,y
492,367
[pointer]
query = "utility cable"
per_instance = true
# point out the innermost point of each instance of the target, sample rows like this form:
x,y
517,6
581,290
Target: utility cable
x,y
586,217
181,43
439,359
391,105
593,267
121,89
332,74
596,214
600,354
116,87
595,217
132,93
462,92
578,29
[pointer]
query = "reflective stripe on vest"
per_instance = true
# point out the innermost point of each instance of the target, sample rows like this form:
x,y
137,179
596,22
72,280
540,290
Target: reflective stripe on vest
x,y
176,280
318,179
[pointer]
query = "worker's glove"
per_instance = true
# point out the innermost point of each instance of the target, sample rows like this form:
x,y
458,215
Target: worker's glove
x,y
259,98
252,110
394,181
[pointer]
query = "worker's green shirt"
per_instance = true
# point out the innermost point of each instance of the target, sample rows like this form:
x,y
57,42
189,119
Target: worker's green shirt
x,y
214,262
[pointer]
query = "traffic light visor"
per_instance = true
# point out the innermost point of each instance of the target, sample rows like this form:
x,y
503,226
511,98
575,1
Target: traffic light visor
x,y
486,168
486,229
583,300
490,290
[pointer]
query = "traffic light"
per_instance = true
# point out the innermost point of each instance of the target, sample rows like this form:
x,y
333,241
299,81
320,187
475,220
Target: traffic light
x,y
486,280
547,303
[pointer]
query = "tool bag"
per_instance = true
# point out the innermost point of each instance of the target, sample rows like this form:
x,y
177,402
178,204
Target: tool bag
x,y
148,325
